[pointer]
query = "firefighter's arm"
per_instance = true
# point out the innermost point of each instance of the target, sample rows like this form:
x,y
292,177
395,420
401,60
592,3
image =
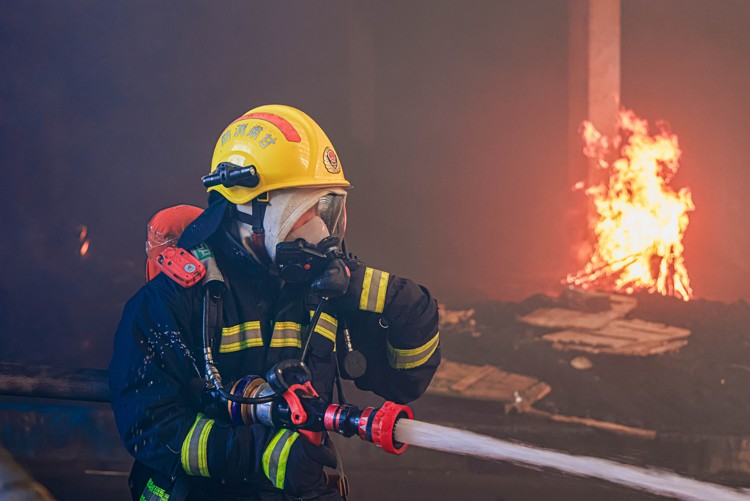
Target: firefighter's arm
x,y
150,373
394,321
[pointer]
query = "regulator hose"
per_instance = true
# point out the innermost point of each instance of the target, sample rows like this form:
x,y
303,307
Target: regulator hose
x,y
212,373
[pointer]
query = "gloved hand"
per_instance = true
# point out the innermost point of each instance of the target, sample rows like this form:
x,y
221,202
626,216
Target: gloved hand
x,y
351,300
293,464
333,280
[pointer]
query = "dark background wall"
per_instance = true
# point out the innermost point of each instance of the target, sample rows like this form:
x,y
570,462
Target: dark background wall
x,y
450,119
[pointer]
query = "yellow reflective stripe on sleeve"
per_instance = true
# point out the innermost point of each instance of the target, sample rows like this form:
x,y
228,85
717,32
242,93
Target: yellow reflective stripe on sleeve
x,y
276,456
408,359
327,326
374,288
364,298
240,337
283,458
203,449
194,452
382,288
185,453
268,453
286,334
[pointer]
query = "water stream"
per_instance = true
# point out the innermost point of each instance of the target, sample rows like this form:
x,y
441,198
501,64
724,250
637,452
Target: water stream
x,y
442,438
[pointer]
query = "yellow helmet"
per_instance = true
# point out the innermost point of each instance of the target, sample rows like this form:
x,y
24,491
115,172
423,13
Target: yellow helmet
x,y
286,148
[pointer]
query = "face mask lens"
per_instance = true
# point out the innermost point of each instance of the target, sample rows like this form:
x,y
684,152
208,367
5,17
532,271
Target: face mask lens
x,y
331,209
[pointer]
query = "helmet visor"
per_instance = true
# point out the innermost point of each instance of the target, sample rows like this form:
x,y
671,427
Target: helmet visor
x,y
331,209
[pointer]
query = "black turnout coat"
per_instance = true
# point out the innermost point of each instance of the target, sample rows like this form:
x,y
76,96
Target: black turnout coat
x,y
156,372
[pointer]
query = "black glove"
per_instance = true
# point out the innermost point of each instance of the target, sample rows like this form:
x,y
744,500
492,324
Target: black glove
x,y
321,266
351,299
333,279
295,465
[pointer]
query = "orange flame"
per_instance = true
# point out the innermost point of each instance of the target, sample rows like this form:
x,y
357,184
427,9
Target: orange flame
x,y
85,247
85,242
640,218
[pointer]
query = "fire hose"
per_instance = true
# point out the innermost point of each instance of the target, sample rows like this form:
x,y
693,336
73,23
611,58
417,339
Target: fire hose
x,y
371,424
383,426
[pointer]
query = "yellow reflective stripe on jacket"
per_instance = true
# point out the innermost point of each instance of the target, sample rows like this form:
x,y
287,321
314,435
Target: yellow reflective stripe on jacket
x,y
241,336
374,288
327,326
194,454
276,456
286,334
408,359
153,492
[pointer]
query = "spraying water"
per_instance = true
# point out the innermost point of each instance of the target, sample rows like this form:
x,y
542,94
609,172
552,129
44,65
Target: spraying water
x,y
441,438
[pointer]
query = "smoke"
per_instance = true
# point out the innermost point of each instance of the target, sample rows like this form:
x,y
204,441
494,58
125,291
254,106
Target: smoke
x,y
450,119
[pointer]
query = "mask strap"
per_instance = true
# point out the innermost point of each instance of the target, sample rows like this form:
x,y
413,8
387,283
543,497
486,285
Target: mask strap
x,y
256,218
258,238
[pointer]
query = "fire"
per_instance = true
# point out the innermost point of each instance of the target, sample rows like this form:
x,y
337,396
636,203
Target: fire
x,y
84,241
84,247
640,218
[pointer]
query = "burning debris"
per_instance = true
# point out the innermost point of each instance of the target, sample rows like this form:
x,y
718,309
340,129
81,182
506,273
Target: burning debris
x,y
640,218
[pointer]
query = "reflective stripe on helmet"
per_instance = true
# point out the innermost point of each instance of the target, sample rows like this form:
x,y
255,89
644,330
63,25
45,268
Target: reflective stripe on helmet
x,y
194,454
374,288
408,359
290,133
276,456
241,336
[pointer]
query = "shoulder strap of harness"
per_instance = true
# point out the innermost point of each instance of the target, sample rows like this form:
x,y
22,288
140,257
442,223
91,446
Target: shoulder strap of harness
x,y
214,285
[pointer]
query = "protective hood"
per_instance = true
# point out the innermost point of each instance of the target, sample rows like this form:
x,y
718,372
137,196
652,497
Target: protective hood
x,y
287,206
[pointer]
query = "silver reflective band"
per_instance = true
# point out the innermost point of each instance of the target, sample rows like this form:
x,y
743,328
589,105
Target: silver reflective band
x,y
241,336
194,454
414,357
286,334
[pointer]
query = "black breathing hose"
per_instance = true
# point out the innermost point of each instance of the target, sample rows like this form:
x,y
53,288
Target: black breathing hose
x,y
212,373
313,323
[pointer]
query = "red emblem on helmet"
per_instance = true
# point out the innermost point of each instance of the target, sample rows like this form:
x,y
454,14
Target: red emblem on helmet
x,y
331,161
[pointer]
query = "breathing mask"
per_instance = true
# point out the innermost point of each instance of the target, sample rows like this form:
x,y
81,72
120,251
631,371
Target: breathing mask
x,y
323,211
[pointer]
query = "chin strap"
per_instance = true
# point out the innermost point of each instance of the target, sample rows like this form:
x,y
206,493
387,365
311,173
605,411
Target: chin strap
x,y
256,218
258,238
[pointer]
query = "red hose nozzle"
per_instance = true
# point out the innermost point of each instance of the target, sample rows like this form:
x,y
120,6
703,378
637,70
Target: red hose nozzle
x,y
384,422
371,424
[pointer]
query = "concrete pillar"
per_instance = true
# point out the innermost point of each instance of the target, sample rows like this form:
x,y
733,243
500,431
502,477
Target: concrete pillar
x,y
593,94
594,76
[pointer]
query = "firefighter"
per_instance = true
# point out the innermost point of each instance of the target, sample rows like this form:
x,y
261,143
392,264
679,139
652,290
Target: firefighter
x,y
183,445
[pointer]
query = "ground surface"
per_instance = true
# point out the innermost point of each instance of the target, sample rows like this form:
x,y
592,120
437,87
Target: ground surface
x,y
698,401
703,389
